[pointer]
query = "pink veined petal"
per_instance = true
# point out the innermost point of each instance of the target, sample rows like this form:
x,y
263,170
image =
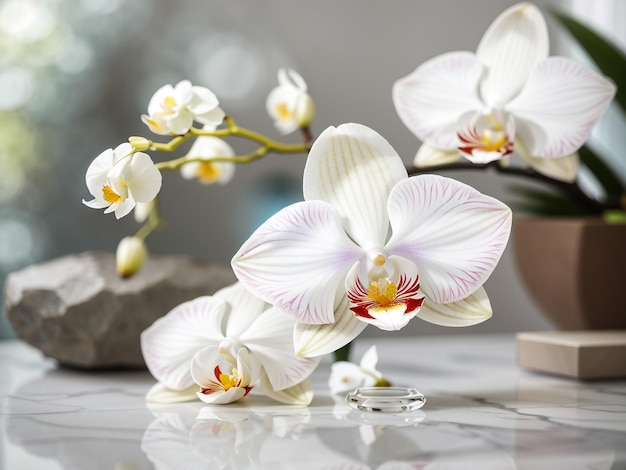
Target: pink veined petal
x,y
317,340
513,44
558,107
354,168
454,234
297,260
469,311
270,339
170,343
242,310
430,100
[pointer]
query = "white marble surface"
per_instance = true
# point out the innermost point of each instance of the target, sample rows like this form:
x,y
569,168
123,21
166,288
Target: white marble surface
x,y
482,412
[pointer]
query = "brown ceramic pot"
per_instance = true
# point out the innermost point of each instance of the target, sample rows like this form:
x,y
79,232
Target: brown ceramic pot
x,y
574,269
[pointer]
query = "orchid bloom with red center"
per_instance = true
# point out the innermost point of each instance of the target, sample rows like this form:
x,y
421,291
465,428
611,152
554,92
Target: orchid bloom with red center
x,y
369,245
224,345
508,96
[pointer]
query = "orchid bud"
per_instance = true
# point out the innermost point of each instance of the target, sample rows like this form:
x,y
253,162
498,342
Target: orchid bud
x,y
305,111
130,256
139,143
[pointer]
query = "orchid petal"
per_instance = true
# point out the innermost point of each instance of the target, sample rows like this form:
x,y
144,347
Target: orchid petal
x,y
431,156
270,339
297,259
454,234
354,168
96,176
346,376
211,119
563,168
170,343
96,204
317,340
369,361
202,101
430,100
471,310
223,398
159,393
300,394
242,308
509,49
558,107
180,122
143,177
154,106
123,208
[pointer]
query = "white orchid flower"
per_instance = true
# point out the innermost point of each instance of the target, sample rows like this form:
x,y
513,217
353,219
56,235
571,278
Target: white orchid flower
x,y
370,245
509,96
289,104
232,330
207,171
346,376
172,110
219,386
118,179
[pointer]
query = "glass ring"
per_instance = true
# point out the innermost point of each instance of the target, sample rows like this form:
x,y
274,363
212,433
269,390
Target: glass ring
x,y
385,399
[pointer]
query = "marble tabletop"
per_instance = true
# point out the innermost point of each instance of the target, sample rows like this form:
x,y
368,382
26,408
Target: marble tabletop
x,y
482,411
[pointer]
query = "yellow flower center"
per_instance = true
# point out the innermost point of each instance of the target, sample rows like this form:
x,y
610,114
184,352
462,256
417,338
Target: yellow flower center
x,y
383,292
207,172
493,140
283,111
230,380
169,103
109,195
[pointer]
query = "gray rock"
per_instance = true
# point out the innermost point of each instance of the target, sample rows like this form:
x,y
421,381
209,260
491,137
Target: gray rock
x,y
76,309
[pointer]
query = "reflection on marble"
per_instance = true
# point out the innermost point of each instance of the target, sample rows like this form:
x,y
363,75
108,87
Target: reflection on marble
x,y
482,412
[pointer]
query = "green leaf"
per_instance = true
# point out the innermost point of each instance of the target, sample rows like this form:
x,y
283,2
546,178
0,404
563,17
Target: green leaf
x,y
540,202
607,56
604,174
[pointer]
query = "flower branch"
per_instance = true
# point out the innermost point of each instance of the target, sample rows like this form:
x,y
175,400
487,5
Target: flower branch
x,y
570,189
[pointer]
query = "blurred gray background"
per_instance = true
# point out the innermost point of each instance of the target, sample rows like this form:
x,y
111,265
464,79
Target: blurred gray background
x,y
75,76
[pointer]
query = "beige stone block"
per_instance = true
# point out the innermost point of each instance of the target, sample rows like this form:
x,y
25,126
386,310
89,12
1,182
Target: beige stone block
x,y
587,355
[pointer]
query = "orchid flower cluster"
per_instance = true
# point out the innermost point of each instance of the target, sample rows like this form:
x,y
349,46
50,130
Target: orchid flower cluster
x,y
510,97
370,245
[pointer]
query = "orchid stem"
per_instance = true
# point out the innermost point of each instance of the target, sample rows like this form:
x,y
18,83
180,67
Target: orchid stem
x,y
266,145
569,189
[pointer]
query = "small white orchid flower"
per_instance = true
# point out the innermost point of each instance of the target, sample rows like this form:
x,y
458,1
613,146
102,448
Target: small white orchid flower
x,y
509,96
229,341
219,387
172,110
207,171
371,246
346,376
289,104
118,179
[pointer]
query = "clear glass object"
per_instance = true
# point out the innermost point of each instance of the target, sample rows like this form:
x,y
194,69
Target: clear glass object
x,y
385,399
